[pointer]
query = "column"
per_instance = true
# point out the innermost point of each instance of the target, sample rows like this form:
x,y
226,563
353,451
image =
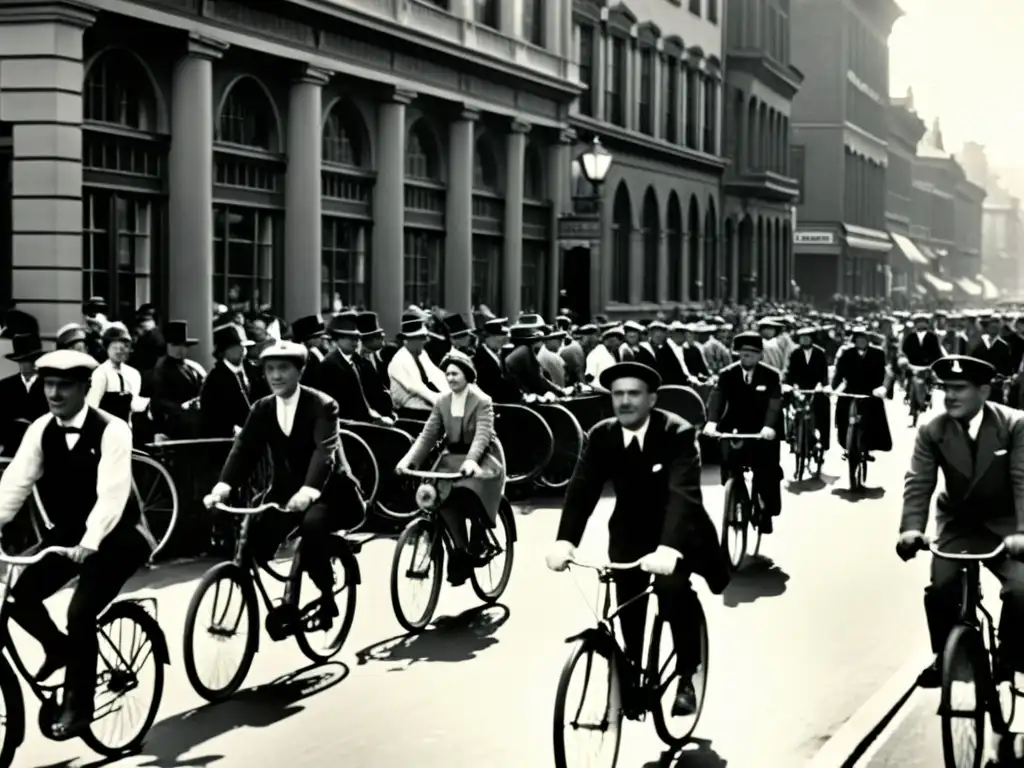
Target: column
x,y
190,181
657,73
559,163
554,32
458,243
41,97
602,54
387,262
512,255
303,228
636,264
735,277
663,257
629,114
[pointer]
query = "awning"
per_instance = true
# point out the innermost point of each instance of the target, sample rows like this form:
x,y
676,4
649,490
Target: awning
x,y
927,252
920,289
990,289
969,287
867,244
937,283
907,247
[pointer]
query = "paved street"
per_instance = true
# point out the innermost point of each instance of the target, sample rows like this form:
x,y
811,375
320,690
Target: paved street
x,y
796,648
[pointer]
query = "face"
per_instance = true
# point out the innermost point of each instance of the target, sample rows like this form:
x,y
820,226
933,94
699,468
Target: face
x,y
658,336
235,354
347,344
461,342
632,402
27,368
963,400
373,343
860,341
257,330
282,376
456,378
767,332
632,338
415,346
65,397
805,341
749,358
118,351
177,351
921,326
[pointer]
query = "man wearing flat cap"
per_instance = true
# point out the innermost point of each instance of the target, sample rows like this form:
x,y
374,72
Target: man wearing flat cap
x,y
978,447
747,399
652,460
991,348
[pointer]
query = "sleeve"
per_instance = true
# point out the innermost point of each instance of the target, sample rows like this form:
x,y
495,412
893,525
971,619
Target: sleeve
x,y
685,502
921,480
840,373
1017,469
21,474
717,399
584,490
113,483
328,439
774,410
426,439
484,433
403,371
245,449
787,377
97,387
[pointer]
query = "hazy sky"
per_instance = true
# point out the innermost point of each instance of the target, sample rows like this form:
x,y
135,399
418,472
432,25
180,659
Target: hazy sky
x,y
964,60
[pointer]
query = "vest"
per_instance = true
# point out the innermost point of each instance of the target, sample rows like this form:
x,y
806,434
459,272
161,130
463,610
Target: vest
x,y
68,485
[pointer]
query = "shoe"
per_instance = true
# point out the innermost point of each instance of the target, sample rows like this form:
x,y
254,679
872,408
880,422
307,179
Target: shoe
x,y
458,568
75,717
56,659
326,613
931,676
685,703
765,524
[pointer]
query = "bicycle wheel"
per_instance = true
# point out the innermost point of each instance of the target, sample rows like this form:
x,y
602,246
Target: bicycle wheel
x,y
801,456
600,714
963,702
661,672
853,458
418,561
235,612
320,645
734,525
125,674
490,579
157,497
914,407
12,710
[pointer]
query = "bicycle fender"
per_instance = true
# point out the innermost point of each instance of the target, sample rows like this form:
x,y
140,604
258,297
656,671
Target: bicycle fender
x,y
512,530
130,609
11,688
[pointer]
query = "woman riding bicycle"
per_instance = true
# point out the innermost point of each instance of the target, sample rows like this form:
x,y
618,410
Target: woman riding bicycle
x,y
464,419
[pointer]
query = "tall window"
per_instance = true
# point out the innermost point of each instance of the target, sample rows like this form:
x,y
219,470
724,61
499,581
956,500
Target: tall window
x,y
117,91
710,114
242,120
622,237
647,91
713,11
425,206
244,247
670,100
615,94
533,21
424,276
117,243
586,62
488,13
344,266
692,108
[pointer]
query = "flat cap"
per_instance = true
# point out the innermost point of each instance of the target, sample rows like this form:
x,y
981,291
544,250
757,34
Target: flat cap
x,y
749,341
66,364
615,330
963,368
286,350
630,370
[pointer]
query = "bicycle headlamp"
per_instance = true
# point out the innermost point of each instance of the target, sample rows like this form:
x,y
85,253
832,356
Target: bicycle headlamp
x,y
426,496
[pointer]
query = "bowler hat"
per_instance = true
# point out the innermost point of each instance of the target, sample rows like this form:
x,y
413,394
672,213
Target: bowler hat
x,y
368,324
413,329
530,319
963,368
456,326
231,335
497,326
115,332
630,370
525,334
344,326
176,332
15,321
25,347
308,327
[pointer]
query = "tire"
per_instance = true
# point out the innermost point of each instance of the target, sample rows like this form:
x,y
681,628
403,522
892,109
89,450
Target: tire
x,y
585,651
734,524
853,458
144,626
799,439
346,614
240,579
964,667
493,595
157,496
679,730
414,532
13,734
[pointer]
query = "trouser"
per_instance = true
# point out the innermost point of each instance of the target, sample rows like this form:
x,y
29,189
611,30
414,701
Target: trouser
x,y
100,579
315,527
677,604
942,601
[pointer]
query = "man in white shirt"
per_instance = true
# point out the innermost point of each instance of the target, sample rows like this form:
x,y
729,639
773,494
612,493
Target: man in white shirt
x,y
605,355
79,459
416,382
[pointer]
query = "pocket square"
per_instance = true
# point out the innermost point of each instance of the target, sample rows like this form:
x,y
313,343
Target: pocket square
x,y
1000,452
761,387
657,467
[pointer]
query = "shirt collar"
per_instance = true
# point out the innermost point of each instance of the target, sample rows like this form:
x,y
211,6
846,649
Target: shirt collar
x,y
236,369
76,421
974,425
289,402
640,433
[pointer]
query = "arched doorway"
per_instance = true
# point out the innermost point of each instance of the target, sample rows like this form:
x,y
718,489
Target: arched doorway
x,y
675,248
622,236
693,254
712,271
747,261
730,267
652,238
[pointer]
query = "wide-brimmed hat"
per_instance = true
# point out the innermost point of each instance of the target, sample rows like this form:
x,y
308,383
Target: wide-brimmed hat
x,y
308,327
69,334
531,319
749,341
525,334
66,364
630,370
231,335
344,326
25,347
497,326
633,326
369,324
413,329
176,332
456,326
615,330
115,332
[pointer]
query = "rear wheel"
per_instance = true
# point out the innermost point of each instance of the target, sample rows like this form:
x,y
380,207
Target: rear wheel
x,y
734,524
588,709
799,443
12,713
962,706
318,643
416,567
853,457
157,496
490,579
675,731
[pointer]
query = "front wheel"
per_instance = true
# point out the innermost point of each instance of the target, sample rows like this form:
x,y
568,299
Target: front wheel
x,y
490,579
662,676
854,459
417,565
802,454
233,616
12,705
734,524
321,643
963,702
588,709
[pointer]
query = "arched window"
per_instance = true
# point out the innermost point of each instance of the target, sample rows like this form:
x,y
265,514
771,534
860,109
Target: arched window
x,y
424,207
118,91
622,236
675,248
652,239
693,254
343,137
488,226
247,117
421,156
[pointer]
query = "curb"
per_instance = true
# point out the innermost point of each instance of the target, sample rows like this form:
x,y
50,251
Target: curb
x,y
848,744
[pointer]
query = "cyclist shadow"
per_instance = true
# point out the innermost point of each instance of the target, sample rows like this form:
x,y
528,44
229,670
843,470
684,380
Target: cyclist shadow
x,y
697,754
257,707
811,484
760,577
867,493
450,638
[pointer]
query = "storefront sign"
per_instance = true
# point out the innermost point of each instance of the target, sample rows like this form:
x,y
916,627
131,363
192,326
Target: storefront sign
x,y
579,227
814,238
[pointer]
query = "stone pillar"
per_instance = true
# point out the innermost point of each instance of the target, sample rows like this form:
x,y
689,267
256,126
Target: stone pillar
x,y
657,109
512,256
303,230
458,244
41,98
190,181
602,49
702,96
664,289
559,168
631,110
636,264
735,278
387,264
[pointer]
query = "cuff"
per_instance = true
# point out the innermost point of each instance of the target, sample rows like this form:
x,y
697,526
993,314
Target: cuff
x,y
221,489
310,493
92,539
670,551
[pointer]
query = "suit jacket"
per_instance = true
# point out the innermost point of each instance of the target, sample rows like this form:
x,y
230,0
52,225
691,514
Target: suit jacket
x,y
647,355
524,369
657,500
861,374
175,383
376,382
669,367
146,351
223,402
998,354
19,403
746,408
342,380
693,356
492,377
311,456
986,495
575,363
918,353
311,373
477,429
807,375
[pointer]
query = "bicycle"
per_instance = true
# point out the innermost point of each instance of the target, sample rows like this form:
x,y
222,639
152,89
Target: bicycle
x,y
243,573
427,538
856,457
119,672
631,690
919,393
806,446
742,509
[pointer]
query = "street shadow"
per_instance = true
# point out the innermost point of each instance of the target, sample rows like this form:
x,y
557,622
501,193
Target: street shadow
x,y
450,638
258,707
867,493
759,577
811,484
696,754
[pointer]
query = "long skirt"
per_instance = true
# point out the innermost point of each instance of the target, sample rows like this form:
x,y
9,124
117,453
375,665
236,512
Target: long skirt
x,y
489,490
873,420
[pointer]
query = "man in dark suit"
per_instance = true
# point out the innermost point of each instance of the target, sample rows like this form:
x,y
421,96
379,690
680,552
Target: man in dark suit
x,y
312,478
311,332
522,364
807,369
979,447
227,394
378,383
21,395
747,399
653,462
177,384
991,348
491,374
346,377
647,350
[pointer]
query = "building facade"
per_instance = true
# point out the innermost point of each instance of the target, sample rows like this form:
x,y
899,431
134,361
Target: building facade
x,y
839,129
759,187
652,72
907,262
189,153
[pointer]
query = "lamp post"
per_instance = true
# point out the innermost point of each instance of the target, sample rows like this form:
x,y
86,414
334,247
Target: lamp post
x,y
595,163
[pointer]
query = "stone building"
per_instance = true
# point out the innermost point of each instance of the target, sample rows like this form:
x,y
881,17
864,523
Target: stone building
x,y
907,262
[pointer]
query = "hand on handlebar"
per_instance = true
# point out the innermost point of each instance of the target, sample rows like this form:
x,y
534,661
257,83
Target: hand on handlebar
x,y
1014,544
79,554
910,543
711,429
787,388
469,469
561,554
660,562
878,392
214,497
767,433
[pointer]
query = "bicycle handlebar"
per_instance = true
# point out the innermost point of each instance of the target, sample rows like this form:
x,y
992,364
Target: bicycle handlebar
x,y
605,566
970,556
735,436
807,391
35,557
247,510
425,474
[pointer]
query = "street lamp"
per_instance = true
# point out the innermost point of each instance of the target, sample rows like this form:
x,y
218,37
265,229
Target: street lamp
x,y
596,162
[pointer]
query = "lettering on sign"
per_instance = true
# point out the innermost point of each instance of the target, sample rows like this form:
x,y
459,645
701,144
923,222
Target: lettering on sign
x,y
814,238
579,227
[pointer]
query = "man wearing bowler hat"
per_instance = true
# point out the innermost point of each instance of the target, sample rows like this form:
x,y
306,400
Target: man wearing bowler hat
x,y
524,366
230,390
371,342
345,376
177,382
459,333
21,395
491,374
311,332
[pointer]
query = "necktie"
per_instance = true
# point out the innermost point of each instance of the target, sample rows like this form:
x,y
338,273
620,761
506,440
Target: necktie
x,y
633,449
423,374
120,380
71,430
972,443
